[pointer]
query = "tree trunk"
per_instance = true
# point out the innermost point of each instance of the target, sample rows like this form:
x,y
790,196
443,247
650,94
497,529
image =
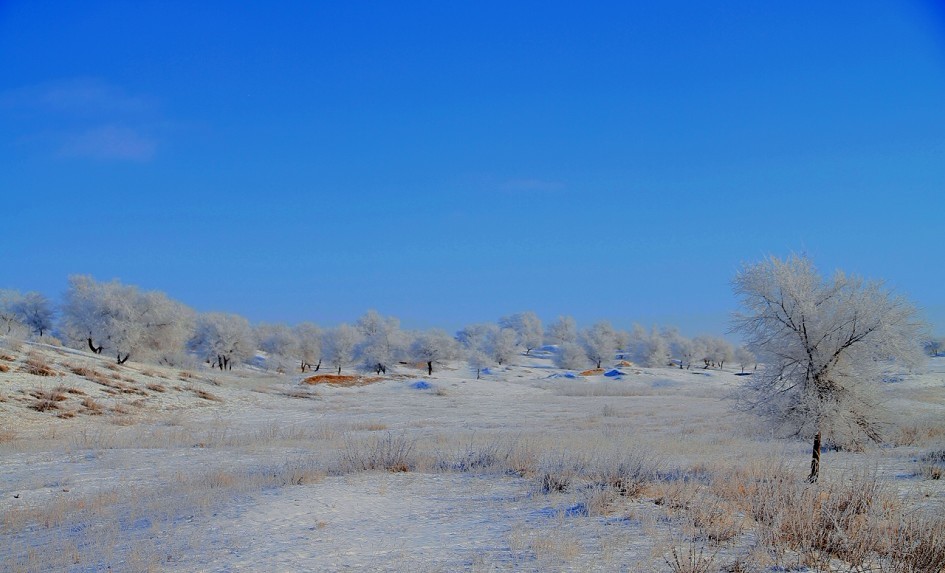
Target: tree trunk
x,y
430,368
339,371
599,360
93,348
319,365
478,370
125,359
815,461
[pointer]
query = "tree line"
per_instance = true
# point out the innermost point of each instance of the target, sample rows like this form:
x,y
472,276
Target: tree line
x,y
128,323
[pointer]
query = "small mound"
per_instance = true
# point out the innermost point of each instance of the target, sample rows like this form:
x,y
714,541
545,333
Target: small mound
x,y
340,380
613,373
421,385
593,372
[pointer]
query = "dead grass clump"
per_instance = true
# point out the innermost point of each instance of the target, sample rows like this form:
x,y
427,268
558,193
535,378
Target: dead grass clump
x,y
155,387
4,368
37,366
47,400
91,407
919,433
593,372
391,452
66,414
344,380
71,390
113,367
206,395
301,394
690,559
933,465
7,357
557,473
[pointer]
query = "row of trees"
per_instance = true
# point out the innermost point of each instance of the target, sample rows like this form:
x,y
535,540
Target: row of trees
x,y
131,324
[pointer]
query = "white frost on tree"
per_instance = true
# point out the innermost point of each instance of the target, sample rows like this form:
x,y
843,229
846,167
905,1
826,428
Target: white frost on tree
x,y
527,327
434,347
476,341
599,342
124,321
570,356
562,330
382,342
339,344
309,336
223,339
824,345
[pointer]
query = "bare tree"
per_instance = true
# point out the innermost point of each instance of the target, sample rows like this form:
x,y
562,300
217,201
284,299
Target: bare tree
x,y
824,344
744,357
34,310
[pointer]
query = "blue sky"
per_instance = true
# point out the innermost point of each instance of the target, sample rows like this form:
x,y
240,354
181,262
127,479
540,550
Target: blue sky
x,y
451,163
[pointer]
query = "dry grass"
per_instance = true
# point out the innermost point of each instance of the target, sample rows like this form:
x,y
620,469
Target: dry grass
x,y
155,387
47,400
7,357
206,395
37,366
91,407
4,368
344,380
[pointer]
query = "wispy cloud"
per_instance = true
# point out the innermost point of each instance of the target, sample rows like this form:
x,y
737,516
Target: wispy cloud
x,y
83,118
109,142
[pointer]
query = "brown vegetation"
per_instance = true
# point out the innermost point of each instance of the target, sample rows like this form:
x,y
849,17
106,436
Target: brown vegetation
x,y
341,380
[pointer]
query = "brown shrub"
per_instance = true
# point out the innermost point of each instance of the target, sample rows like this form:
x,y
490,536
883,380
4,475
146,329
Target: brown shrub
x,y
36,366
91,407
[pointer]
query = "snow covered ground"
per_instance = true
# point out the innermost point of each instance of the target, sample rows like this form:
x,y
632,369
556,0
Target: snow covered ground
x,y
145,468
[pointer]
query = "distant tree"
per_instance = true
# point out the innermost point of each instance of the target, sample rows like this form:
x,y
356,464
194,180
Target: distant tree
x,y
309,336
527,327
35,311
934,347
124,320
563,330
744,357
382,342
570,356
721,352
476,341
339,344
599,342
10,320
434,347
824,344
223,339
279,341
503,345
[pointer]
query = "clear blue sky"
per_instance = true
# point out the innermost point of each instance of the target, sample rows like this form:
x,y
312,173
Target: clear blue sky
x,y
450,163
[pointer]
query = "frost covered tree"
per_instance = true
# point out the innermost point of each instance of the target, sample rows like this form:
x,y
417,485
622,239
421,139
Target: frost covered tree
x,y
10,323
124,321
476,341
34,310
650,349
382,342
570,356
744,357
223,339
278,341
562,330
434,347
599,342
824,345
503,345
309,336
339,344
527,327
